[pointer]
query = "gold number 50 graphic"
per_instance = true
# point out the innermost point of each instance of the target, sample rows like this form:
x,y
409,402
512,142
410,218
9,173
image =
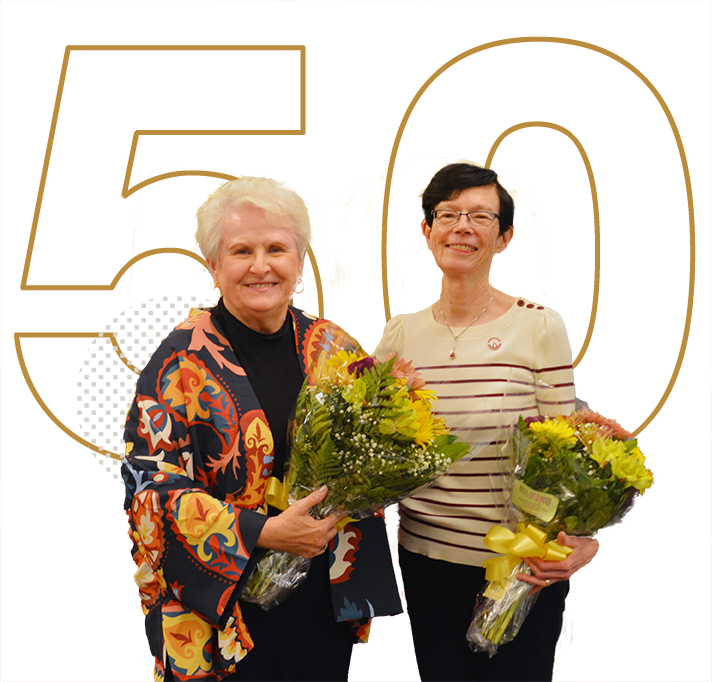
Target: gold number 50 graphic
x,y
73,150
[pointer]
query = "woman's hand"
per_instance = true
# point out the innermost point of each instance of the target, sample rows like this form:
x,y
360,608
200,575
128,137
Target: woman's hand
x,y
545,573
296,531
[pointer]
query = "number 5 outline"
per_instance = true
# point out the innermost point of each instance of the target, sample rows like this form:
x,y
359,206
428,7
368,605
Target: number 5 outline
x,y
127,190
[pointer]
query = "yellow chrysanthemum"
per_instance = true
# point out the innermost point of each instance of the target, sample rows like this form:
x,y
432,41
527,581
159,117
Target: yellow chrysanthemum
x,y
631,468
439,426
336,369
342,358
556,432
424,423
604,451
425,395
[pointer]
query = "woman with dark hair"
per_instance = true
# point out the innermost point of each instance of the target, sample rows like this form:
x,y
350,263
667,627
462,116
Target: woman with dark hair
x,y
207,429
488,355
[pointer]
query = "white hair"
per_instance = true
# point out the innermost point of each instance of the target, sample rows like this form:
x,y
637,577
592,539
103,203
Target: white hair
x,y
265,193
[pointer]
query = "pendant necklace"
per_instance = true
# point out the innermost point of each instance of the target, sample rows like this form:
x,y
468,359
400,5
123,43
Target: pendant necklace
x,y
455,337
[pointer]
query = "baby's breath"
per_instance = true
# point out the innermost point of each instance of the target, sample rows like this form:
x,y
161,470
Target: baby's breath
x,y
367,435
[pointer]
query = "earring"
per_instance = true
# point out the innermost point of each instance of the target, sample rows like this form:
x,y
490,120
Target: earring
x,y
217,286
298,283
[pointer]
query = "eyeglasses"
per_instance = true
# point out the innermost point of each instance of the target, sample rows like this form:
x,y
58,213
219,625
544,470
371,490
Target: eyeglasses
x,y
448,217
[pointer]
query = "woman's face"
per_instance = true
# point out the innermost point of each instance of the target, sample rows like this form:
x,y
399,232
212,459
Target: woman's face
x,y
463,248
258,267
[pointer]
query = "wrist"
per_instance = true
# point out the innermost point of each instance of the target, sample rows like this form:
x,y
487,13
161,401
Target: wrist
x,y
266,538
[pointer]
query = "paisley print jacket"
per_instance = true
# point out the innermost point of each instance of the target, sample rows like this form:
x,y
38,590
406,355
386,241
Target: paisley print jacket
x,y
199,453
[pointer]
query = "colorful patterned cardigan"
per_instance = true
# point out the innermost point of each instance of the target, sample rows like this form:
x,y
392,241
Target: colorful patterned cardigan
x,y
199,453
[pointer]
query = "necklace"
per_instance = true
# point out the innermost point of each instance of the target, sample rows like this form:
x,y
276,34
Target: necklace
x,y
455,337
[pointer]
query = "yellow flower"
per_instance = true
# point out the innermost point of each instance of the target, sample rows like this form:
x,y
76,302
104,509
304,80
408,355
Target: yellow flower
x,y
336,369
425,395
631,468
425,431
415,420
556,432
604,451
439,426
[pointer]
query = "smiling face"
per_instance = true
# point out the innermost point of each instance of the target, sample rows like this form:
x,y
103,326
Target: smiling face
x,y
258,266
463,249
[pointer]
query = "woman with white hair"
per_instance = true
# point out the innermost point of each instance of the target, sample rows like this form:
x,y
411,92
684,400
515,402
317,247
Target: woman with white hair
x,y
207,429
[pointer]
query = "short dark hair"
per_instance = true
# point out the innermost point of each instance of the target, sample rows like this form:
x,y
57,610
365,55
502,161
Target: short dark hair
x,y
454,178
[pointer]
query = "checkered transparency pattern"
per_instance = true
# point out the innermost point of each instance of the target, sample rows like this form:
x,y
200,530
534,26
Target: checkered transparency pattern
x,y
106,384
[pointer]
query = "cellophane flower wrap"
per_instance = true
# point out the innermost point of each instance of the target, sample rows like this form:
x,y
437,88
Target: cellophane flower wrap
x,y
365,429
578,474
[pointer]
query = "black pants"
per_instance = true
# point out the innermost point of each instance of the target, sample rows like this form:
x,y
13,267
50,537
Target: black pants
x,y
299,639
441,598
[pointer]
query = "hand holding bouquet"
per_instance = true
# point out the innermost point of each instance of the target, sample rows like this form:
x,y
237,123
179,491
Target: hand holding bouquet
x,y
578,474
366,430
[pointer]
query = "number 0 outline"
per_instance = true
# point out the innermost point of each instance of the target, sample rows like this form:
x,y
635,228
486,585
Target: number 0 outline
x,y
685,170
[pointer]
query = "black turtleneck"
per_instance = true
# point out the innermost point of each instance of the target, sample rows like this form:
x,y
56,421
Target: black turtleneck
x,y
273,368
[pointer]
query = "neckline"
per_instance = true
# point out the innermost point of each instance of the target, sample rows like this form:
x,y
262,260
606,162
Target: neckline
x,y
504,319
244,331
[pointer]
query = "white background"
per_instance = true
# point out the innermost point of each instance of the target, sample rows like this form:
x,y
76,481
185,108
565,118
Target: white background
x,y
641,610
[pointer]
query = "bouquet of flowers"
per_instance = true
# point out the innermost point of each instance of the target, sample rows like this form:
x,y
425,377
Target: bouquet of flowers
x,y
578,474
366,430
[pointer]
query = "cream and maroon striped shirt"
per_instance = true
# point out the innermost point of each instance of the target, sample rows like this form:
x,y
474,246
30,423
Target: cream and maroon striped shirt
x,y
519,363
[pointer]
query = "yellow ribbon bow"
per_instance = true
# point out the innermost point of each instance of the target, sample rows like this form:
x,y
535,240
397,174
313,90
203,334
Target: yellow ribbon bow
x,y
530,541
277,495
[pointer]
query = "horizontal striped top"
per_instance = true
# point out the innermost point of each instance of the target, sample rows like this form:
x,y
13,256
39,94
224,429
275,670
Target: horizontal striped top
x,y
519,363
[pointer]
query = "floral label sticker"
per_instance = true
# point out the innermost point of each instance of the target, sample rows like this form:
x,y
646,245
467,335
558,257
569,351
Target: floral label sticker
x,y
541,505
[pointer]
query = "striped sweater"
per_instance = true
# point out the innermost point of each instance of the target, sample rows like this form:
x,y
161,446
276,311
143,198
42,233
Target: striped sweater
x,y
519,363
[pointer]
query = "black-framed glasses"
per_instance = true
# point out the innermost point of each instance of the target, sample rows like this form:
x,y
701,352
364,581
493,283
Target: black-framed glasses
x,y
448,217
